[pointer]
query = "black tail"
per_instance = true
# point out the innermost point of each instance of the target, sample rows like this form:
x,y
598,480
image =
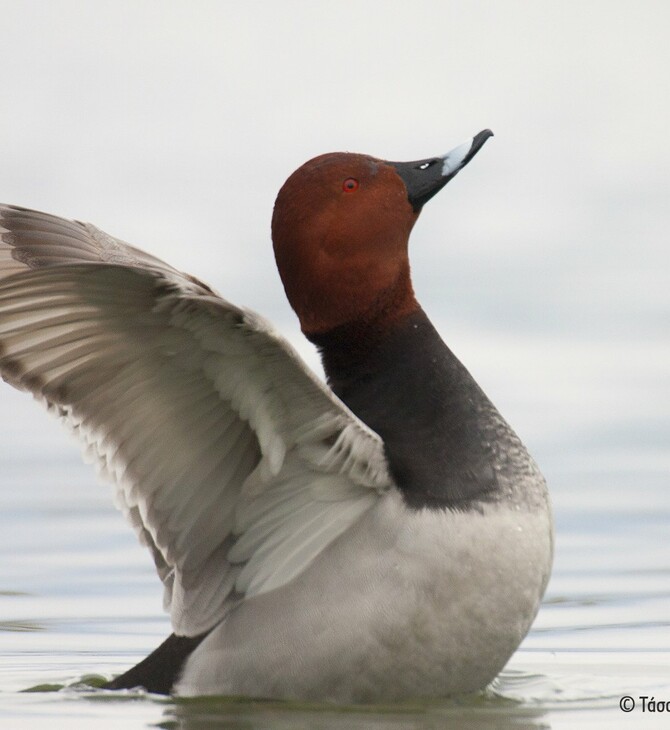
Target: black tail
x,y
161,669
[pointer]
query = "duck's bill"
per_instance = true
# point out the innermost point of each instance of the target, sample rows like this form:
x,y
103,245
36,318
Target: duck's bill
x,y
425,178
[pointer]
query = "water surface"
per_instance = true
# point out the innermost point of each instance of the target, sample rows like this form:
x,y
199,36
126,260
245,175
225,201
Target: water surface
x,y
78,596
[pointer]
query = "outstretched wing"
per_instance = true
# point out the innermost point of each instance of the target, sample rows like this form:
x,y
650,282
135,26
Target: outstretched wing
x,y
235,464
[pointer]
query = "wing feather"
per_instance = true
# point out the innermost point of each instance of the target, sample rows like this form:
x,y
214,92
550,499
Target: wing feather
x,y
232,462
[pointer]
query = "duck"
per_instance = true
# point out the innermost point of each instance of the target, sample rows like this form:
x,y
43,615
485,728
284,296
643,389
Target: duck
x,y
380,536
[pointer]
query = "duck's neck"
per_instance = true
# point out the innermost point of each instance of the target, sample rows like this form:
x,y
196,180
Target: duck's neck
x,y
436,423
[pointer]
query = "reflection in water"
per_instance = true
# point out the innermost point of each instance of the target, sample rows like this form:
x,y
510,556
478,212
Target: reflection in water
x,y
469,713
21,626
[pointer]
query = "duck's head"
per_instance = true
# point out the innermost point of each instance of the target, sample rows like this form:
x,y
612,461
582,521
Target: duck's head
x,y
340,230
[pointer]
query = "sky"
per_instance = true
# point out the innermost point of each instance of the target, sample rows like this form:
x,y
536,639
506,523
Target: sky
x,y
545,264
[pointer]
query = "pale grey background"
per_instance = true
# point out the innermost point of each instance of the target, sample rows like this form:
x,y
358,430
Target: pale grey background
x,y
545,264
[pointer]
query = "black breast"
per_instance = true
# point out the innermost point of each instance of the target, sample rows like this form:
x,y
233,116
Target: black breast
x,y
445,442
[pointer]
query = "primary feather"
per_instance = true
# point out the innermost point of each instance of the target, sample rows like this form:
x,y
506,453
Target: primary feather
x,y
234,464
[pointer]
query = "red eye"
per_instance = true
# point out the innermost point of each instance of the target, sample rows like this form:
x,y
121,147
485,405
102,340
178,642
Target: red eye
x,y
350,184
